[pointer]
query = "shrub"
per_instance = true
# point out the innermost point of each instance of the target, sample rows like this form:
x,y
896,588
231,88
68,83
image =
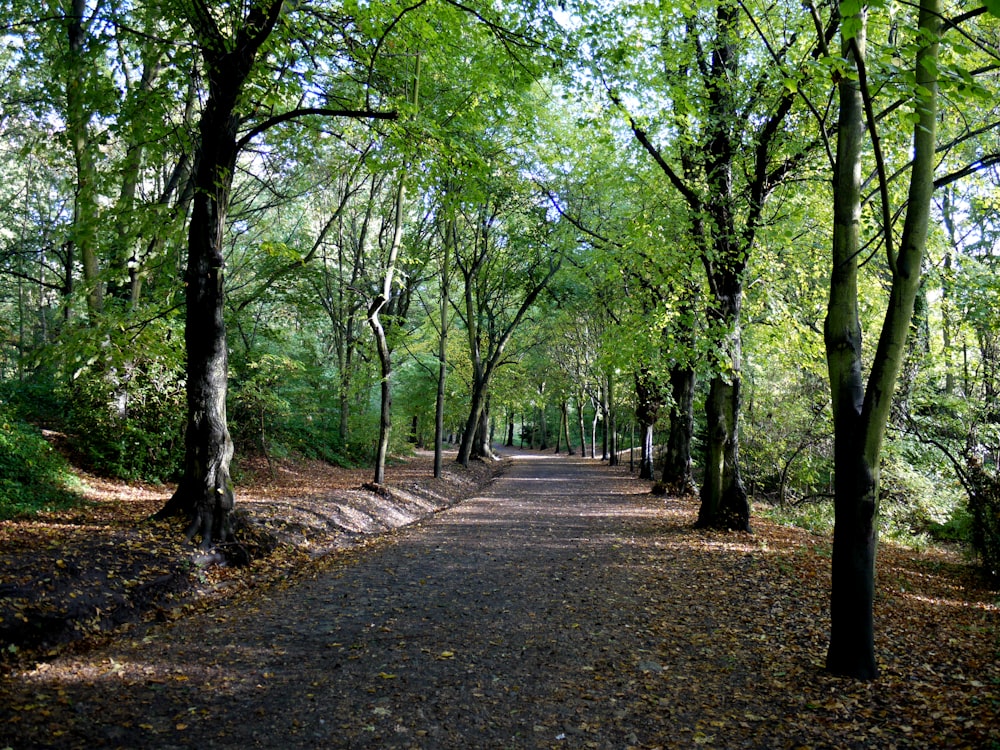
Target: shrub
x,y
984,507
33,476
129,426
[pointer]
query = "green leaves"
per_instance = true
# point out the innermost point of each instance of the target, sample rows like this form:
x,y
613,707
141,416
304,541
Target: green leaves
x,y
992,7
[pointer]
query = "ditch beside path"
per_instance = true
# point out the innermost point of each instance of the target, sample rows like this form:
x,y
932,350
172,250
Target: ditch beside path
x,y
564,607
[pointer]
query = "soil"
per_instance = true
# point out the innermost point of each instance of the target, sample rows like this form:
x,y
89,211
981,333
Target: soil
x,y
560,606
70,575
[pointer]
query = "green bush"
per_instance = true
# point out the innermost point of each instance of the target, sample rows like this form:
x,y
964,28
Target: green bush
x,y
984,507
33,476
116,392
130,428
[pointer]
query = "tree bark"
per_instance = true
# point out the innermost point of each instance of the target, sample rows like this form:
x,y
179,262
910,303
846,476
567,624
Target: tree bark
x,y
649,400
83,233
677,471
449,236
205,492
382,343
861,412
724,502
565,422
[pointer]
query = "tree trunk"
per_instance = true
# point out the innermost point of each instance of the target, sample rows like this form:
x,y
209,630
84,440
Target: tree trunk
x,y
593,433
724,503
677,473
565,423
482,447
852,645
477,402
442,374
648,402
381,342
646,455
385,393
205,492
861,413
579,419
83,233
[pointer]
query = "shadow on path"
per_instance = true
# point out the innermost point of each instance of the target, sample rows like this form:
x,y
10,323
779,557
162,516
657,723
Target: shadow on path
x,y
563,608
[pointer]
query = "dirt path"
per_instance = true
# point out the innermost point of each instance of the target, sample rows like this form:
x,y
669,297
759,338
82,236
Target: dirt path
x,y
561,609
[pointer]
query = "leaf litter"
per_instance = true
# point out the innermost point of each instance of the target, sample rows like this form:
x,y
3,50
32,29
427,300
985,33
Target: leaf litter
x,y
576,611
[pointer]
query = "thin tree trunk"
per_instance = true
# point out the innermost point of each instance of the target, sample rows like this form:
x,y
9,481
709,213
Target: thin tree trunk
x,y
381,342
593,432
611,426
565,424
646,454
579,419
442,361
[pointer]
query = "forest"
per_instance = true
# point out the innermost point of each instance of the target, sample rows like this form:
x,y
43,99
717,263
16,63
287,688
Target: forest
x,y
750,246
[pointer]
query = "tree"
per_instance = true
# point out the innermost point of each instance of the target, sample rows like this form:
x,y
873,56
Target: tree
x,y
722,98
861,406
508,261
230,46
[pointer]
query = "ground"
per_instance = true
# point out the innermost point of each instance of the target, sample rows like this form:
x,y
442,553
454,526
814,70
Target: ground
x,y
561,606
70,575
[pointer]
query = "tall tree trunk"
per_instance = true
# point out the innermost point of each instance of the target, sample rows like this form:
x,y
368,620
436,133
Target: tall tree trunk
x,y
724,502
648,403
565,423
579,419
593,434
677,472
482,447
646,455
382,301
477,402
947,293
382,343
442,352
543,429
205,492
861,412
83,234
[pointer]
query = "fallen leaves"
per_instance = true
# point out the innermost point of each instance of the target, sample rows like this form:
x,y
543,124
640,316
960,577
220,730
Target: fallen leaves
x,y
81,572
566,620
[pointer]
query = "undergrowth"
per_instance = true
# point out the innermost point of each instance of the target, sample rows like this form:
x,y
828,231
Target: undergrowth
x,y
33,476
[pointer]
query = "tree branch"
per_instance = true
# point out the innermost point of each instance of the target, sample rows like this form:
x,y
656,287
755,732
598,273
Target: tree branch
x,y
977,166
357,114
883,183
